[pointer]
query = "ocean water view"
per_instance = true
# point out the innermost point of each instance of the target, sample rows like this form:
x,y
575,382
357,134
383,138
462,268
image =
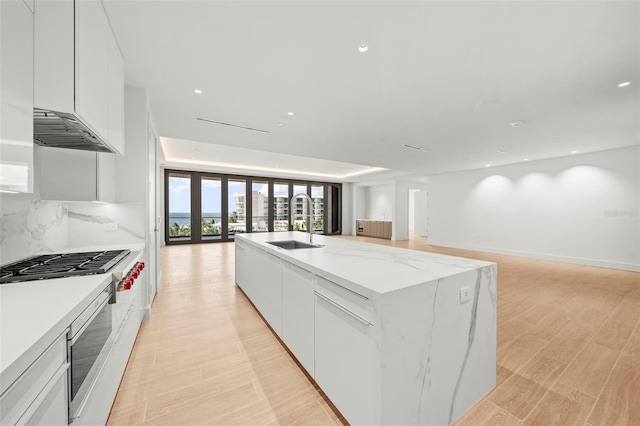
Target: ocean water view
x,y
185,218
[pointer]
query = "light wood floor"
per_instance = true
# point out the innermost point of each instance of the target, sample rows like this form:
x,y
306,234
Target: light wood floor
x,y
568,349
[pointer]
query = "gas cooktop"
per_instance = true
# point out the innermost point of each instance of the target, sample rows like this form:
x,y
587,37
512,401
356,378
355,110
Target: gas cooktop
x,y
48,266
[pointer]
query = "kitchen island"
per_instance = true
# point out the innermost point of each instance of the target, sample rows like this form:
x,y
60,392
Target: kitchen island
x,y
392,336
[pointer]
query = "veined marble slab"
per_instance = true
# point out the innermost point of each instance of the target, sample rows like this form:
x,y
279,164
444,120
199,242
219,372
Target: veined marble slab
x,y
373,267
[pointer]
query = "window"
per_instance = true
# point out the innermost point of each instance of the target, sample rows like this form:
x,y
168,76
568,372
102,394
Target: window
x,y
317,212
281,207
259,205
179,203
237,206
209,207
211,210
301,207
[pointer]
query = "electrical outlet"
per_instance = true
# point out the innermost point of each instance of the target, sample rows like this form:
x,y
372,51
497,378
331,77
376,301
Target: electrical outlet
x,y
465,294
110,226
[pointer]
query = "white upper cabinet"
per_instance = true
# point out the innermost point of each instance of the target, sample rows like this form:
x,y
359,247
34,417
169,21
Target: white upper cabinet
x,y
91,65
78,66
16,106
115,93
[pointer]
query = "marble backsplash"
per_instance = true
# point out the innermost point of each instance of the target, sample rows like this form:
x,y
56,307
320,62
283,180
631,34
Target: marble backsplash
x,y
89,223
29,226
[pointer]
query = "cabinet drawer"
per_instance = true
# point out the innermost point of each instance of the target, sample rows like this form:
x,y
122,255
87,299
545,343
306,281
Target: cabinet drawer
x,y
15,401
349,299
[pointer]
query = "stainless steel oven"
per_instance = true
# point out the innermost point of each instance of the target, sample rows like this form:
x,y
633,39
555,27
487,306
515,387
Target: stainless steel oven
x,y
89,343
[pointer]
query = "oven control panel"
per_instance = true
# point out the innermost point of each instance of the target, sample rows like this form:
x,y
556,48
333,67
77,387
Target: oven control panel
x,y
129,279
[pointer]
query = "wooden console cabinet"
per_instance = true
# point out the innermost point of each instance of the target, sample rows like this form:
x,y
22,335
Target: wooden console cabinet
x,y
373,228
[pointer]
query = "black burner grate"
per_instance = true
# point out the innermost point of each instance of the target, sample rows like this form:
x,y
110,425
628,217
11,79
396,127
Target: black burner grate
x,y
61,265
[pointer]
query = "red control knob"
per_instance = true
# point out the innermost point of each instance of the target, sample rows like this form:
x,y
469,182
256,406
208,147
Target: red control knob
x,y
135,274
128,283
141,266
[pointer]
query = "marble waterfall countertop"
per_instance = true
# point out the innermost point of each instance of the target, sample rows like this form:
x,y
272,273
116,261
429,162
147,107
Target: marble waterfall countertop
x,y
34,313
375,267
413,349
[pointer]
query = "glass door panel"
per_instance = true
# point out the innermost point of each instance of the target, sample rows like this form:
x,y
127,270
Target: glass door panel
x,y
179,194
301,207
280,207
317,214
236,207
259,206
211,218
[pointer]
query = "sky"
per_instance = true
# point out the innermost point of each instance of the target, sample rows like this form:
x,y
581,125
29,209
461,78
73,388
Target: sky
x,y
180,193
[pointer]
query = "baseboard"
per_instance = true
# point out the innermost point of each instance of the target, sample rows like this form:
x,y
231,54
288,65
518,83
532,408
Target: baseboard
x,y
543,256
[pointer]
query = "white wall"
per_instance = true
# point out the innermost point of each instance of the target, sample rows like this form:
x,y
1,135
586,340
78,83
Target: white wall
x,y
348,218
379,202
420,213
400,225
581,209
412,209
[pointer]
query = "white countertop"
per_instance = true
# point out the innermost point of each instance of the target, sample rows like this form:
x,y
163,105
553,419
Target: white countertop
x,y
34,313
375,267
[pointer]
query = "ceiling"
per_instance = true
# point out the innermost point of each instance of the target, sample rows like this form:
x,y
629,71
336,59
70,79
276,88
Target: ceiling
x,y
444,77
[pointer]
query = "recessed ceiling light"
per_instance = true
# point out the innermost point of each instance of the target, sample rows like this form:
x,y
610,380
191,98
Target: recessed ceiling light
x,y
574,152
198,91
289,113
516,123
363,48
487,165
526,159
280,123
625,84
501,151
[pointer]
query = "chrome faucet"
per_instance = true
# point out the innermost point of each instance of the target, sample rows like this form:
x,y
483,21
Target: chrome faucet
x,y
292,215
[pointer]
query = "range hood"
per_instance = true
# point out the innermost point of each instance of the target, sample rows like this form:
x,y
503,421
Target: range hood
x,y
64,130
76,85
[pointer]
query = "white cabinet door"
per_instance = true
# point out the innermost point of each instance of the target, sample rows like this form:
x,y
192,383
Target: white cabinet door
x,y
16,106
73,175
51,407
115,88
298,313
91,69
345,365
269,301
259,275
37,393
246,272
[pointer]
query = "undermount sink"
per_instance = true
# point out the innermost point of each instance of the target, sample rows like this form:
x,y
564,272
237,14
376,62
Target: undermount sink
x,y
293,244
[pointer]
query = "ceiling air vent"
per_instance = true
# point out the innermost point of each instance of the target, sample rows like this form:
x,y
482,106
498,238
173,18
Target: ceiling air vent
x,y
232,125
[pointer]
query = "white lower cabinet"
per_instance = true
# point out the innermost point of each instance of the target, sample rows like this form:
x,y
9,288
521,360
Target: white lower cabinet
x,y
39,395
269,289
345,361
327,326
259,275
298,313
51,407
247,275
